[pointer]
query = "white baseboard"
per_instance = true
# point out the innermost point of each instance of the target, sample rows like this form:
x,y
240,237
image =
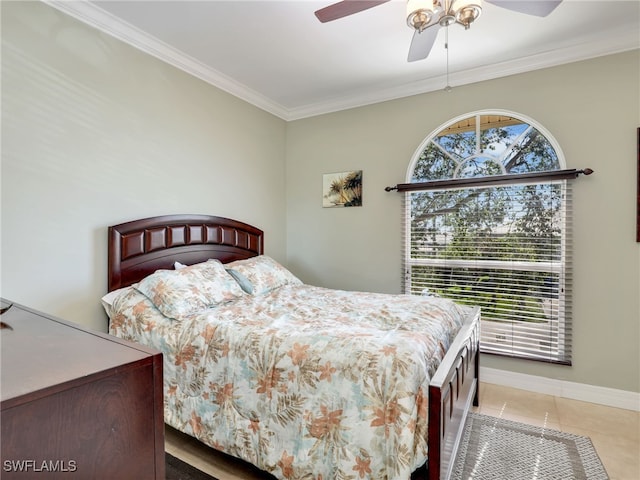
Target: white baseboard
x,y
561,388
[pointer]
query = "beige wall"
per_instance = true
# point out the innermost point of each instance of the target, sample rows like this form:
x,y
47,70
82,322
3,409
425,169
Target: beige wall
x,y
592,108
96,133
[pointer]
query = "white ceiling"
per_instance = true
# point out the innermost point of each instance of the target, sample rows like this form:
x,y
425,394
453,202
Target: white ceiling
x,y
278,56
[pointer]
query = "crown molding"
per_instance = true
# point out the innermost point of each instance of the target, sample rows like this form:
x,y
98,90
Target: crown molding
x,y
98,18
94,16
623,42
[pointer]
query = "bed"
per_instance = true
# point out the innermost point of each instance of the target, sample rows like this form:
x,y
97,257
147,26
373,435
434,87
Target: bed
x,y
380,388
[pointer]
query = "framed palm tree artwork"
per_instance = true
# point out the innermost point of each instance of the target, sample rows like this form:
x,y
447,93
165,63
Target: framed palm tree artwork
x,y
342,189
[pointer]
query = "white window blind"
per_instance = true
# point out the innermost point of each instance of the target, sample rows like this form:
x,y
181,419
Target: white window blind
x,y
506,248
487,222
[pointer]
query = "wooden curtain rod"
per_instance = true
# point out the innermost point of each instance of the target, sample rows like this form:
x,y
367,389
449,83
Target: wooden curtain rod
x,y
490,180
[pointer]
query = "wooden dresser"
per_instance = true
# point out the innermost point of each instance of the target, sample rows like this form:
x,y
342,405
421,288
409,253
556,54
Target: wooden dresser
x,y
76,403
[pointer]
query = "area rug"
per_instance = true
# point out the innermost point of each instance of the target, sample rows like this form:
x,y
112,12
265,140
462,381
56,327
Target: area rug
x,y
176,469
493,448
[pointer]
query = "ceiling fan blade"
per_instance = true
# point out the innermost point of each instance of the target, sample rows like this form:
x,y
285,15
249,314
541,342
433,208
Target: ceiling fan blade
x,y
345,8
539,8
422,43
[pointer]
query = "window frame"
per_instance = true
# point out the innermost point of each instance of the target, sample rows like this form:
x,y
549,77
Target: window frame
x,y
564,319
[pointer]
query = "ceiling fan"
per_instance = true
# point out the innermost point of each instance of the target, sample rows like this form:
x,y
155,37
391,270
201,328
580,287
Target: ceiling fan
x,y
424,14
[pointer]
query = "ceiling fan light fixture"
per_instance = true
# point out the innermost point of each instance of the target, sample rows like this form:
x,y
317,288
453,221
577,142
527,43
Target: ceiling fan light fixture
x,y
468,13
419,14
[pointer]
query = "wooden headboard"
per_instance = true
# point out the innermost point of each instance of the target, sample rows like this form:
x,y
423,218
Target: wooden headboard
x,y
140,247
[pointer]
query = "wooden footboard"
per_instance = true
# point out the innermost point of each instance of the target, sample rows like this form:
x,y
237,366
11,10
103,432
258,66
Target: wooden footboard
x,y
452,390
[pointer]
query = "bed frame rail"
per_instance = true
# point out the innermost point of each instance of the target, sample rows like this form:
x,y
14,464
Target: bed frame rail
x,y
452,390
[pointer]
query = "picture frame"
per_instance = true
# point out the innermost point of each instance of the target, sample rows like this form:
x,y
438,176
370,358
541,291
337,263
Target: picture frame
x,y
342,189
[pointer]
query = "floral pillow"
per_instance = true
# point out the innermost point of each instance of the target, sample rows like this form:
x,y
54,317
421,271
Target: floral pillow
x,y
181,292
108,299
261,274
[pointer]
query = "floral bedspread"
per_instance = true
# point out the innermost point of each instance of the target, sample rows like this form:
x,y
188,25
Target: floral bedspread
x,y
303,382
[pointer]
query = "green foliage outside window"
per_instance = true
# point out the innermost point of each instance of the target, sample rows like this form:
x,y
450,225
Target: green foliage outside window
x,y
515,227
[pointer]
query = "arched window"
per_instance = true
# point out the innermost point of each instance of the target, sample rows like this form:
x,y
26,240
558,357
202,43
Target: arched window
x,y
487,222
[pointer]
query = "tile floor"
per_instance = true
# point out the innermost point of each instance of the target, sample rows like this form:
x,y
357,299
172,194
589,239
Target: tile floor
x,y
615,432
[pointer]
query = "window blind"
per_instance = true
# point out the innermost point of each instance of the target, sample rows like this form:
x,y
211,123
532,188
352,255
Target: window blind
x,y
506,248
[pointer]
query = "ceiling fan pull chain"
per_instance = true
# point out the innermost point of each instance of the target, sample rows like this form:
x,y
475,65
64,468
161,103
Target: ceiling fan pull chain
x,y
447,88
